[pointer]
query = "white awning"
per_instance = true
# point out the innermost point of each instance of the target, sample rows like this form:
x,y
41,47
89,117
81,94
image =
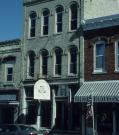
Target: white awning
x,y
102,91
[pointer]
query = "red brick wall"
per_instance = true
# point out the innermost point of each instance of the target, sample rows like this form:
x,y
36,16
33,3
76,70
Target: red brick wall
x,y
110,35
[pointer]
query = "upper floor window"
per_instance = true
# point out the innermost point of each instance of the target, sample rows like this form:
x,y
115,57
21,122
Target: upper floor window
x,y
30,64
45,22
117,55
32,24
58,61
59,18
72,60
99,56
9,68
73,16
44,62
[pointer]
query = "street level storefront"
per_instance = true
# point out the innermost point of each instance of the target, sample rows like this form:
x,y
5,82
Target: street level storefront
x,y
105,105
9,106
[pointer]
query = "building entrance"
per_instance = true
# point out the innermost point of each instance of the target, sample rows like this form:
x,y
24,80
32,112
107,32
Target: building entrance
x,y
6,115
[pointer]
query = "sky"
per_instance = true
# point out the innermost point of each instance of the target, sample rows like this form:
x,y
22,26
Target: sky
x,y
11,19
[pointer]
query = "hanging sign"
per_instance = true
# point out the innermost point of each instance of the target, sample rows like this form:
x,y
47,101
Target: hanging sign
x,y
41,90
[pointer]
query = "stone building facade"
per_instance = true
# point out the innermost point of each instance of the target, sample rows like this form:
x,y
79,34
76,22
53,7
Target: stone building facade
x,y
10,78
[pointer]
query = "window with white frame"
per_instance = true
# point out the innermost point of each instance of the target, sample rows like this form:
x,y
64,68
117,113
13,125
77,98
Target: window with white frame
x,y
9,68
58,61
45,22
73,16
59,18
32,24
44,62
72,56
99,57
117,55
30,64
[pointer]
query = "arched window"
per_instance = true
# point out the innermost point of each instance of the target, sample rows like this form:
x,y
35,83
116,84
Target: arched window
x,y
59,18
44,62
30,64
73,60
32,24
58,61
45,22
73,16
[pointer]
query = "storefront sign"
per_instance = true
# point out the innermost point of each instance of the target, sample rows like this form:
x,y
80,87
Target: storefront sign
x,y
41,90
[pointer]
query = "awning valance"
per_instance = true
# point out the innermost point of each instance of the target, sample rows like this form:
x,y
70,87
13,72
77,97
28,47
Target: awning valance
x,y
102,91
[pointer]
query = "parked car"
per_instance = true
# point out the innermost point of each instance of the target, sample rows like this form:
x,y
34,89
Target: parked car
x,y
17,129
44,132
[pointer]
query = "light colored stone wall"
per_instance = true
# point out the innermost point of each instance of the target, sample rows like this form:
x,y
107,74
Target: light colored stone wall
x,y
99,8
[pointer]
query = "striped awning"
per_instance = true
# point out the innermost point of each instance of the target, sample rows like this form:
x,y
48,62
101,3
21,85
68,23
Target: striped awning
x,y
102,91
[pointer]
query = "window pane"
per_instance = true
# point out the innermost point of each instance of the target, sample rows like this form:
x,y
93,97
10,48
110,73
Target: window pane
x,y
73,24
59,17
45,30
100,62
59,27
10,70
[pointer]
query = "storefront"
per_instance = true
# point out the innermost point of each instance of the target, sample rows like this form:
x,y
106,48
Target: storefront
x,y
9,106
105,96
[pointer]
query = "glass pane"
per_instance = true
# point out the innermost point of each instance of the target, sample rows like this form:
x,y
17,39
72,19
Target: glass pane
x,y
45,30
100,49
59,17
10,70
33,23
9,77
46,13
100,62
59,27
59,9
46,19
73,24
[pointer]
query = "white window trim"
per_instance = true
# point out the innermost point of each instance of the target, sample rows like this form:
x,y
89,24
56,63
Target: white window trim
x,y
29,28
56,23
42,25
69,60
70,30
116,58
95,70
8,65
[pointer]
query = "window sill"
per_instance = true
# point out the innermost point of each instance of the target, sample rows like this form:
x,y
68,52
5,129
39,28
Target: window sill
x,y
71,31
56,76
31,38
99,72
43,36
72,75
59,33
116,71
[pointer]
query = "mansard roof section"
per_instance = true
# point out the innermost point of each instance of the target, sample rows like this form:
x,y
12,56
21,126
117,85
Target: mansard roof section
x,y
101,22
10,42
30,2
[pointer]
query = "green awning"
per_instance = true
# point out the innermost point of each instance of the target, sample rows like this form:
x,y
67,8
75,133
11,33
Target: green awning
x,y
102,91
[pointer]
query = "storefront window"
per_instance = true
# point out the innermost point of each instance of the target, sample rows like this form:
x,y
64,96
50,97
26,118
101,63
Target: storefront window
x,y
104,119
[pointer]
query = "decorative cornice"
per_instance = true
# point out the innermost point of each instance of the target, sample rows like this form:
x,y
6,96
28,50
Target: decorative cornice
x,y
30,2
10,42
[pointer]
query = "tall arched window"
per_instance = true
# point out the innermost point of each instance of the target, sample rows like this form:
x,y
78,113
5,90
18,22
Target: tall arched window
x,y
45,22
59,18
44,62
30,64
32,24
73,16
73,60
58,61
